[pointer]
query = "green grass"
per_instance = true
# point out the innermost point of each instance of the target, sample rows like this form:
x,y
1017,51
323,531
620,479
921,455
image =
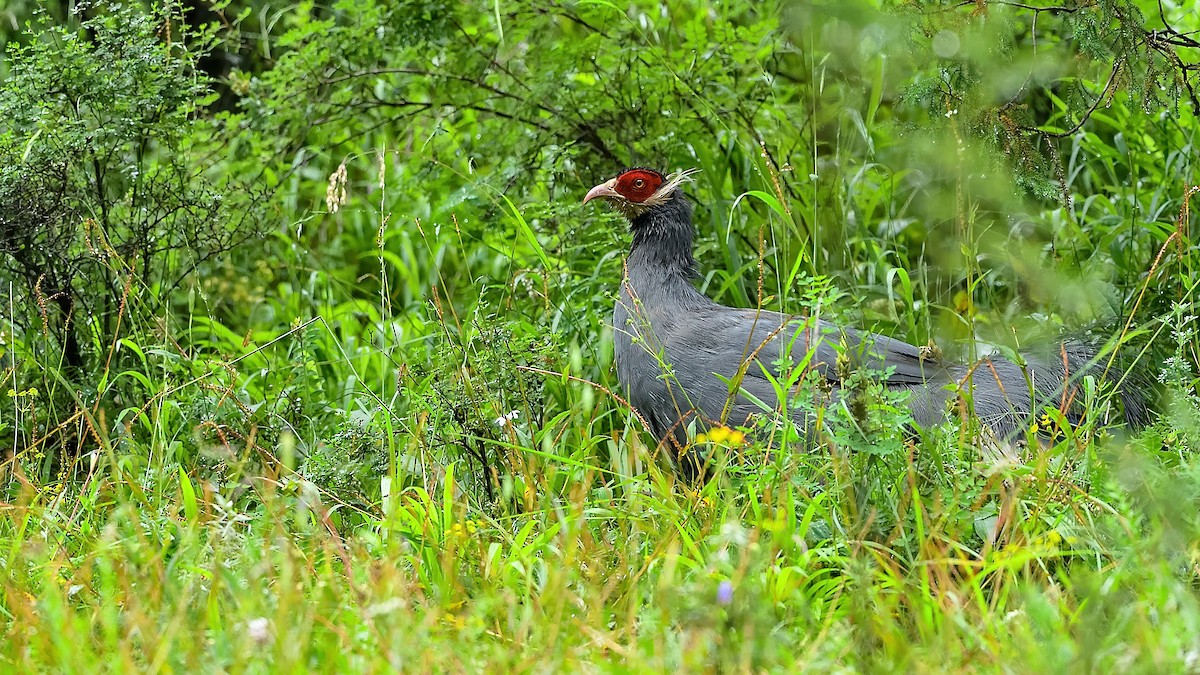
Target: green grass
x,y
268,576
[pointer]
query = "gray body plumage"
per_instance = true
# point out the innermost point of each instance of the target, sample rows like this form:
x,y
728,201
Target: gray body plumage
x,y
675,349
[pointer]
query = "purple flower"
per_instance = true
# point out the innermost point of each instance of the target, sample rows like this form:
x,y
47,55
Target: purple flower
x,y
725,593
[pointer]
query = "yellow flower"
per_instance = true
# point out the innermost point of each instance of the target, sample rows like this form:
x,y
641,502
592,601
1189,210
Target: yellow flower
x,y
722,435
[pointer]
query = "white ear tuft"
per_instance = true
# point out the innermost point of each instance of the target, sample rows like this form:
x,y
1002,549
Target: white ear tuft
x,y
680,177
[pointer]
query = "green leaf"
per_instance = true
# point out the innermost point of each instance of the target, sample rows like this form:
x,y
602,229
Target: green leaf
x,y
191,509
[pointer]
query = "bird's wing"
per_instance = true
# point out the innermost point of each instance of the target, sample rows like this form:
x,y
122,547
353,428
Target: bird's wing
x,y
903,362
721,343
724,338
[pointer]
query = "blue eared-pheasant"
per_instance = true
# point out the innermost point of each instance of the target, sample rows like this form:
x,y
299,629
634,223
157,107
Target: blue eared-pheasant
x,y
677,351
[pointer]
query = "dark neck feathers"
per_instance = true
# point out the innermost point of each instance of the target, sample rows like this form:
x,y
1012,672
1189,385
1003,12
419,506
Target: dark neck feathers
x,y
662,237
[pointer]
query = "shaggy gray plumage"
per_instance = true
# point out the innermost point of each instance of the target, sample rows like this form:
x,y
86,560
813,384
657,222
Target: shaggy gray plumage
x,y
672,343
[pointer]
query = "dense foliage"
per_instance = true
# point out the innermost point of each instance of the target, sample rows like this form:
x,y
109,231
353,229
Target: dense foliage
x,y
309,359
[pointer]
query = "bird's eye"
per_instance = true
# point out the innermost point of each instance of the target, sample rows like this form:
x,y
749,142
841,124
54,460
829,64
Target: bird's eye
x,y
639,183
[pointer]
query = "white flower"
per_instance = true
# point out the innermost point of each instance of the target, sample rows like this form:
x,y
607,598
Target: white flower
x,y
506,420
259,630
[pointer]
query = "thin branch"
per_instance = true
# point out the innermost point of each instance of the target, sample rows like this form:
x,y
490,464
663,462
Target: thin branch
x,y
1104,95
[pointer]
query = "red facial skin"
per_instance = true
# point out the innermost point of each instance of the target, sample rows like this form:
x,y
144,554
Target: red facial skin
x,y
638,185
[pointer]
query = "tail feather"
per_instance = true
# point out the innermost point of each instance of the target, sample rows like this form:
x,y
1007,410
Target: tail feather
x,y
1007,396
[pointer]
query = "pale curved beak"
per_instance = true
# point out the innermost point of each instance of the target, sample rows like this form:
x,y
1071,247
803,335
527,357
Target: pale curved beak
x,y
604,189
